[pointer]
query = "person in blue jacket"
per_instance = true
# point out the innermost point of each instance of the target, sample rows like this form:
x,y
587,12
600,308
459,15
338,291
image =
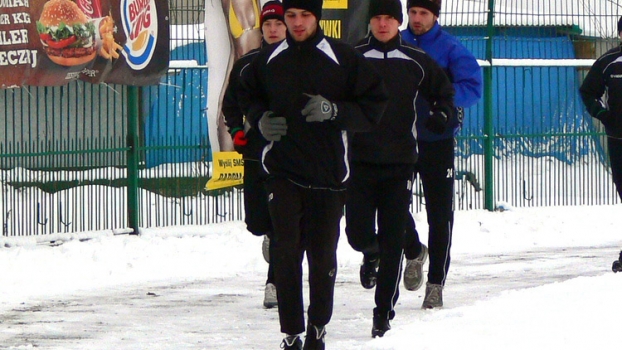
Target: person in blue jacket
x,y
436,148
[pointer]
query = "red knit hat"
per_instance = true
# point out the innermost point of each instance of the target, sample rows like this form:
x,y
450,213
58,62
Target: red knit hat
x,y
272,10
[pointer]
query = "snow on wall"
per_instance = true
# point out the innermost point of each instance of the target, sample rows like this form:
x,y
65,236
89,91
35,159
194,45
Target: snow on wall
x,y
596,18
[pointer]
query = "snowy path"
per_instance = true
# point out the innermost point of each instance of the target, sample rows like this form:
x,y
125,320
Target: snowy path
x,y
226,313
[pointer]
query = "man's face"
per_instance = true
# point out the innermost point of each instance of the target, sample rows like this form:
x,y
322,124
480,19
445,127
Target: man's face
x,y
420,20
273,30
301,24
384,27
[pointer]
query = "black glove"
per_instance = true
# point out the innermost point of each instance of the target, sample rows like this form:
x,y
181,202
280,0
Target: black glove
x,y
437,122
271,127
606,117
319,109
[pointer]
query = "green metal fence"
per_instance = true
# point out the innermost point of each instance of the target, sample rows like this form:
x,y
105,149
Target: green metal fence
x,y
530,141
82,157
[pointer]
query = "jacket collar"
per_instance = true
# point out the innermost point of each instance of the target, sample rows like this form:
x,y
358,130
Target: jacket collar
x,y
428,36
388,46
311,42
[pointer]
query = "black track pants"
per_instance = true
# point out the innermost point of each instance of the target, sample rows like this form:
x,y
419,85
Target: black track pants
x,y
380,194
615,158
308,220
270,277
436,170
256,214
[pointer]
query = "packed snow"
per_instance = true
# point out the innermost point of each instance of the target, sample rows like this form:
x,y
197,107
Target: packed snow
x,y
522,278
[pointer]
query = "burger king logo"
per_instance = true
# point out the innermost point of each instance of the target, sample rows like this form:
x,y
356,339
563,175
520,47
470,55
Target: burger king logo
x,y
140,23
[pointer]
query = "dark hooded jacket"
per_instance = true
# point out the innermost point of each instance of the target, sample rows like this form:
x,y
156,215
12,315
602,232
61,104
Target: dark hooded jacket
x,y
234,117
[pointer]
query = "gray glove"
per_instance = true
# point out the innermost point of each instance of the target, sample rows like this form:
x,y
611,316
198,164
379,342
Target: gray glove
x,y
319,109
271,127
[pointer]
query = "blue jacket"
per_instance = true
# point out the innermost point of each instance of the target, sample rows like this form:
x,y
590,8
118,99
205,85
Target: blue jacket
x,y
462,69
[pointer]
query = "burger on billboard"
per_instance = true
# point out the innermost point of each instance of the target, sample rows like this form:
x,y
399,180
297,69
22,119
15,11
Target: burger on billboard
x,y
67,35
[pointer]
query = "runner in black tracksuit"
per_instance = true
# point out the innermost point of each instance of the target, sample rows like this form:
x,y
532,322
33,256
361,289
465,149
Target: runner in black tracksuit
x,y
257,217
249,142
606,75
383,160
601,92
318,89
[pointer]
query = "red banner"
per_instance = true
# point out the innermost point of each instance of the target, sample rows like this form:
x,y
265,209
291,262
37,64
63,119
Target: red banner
x,y
47,43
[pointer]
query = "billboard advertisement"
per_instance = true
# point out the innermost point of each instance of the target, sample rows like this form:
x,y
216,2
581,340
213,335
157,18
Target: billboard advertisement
x,y
49,43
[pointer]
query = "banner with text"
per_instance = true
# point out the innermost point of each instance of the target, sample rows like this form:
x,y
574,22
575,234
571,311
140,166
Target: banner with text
x,y
227,171
48,43
345,20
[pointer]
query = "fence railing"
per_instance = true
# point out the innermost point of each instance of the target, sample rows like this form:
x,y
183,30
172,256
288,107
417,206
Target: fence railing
x,y
85,157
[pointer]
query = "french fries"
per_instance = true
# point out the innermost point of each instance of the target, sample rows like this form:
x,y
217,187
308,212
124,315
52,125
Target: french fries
x,y
109,48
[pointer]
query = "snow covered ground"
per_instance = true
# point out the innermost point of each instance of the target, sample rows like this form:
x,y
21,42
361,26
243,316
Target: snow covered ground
x,y
525,278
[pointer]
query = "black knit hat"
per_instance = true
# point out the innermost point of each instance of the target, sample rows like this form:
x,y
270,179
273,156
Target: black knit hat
x,y
433,6
391,8
272,10
620,26
313,6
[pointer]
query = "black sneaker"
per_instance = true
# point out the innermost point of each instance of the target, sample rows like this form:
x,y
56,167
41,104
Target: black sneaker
x,y
369,271
292,342
617,265
381,326
315,338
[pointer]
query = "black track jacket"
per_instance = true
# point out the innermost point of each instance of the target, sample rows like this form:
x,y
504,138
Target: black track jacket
x,y
234,118
313,154
407,72
605,75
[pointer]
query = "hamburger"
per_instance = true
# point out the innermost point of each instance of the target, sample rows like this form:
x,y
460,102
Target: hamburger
x,y
66,33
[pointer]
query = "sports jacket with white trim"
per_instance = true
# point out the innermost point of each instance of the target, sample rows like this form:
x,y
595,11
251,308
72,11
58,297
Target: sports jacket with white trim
x,y
234,118
409,75
605,76
313,154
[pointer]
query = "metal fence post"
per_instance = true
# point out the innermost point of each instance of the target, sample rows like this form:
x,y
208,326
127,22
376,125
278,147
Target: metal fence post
x,y
488,114
132,158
